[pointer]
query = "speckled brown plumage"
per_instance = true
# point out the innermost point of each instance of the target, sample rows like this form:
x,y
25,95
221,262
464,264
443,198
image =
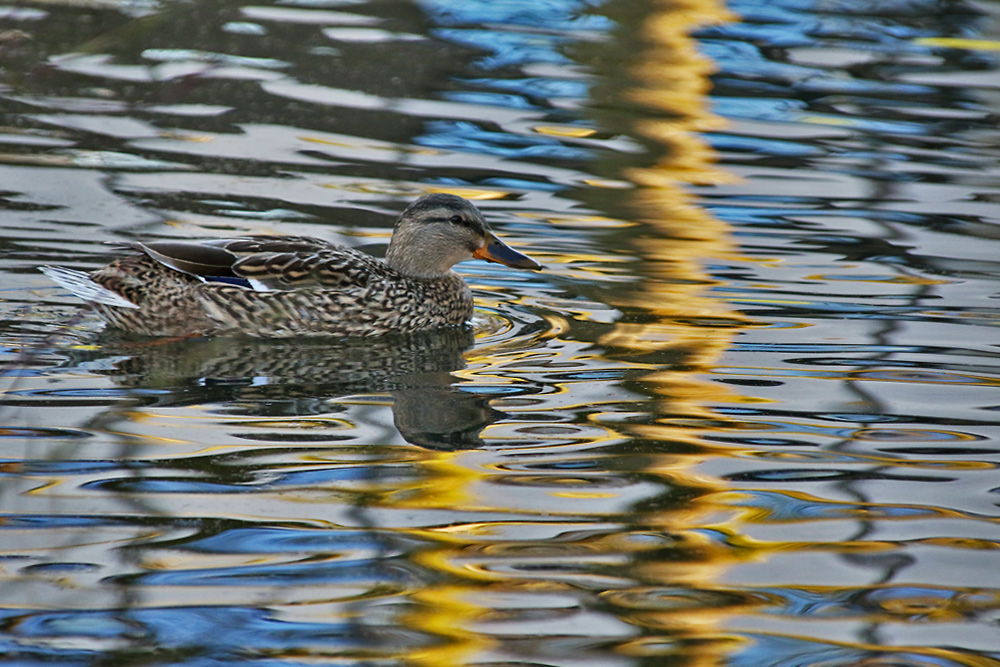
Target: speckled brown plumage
x,y
298,286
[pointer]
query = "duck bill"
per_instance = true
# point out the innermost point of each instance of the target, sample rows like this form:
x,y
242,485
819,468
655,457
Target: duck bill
x,y
495,250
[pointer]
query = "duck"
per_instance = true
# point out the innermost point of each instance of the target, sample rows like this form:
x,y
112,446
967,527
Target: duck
x,y
289,286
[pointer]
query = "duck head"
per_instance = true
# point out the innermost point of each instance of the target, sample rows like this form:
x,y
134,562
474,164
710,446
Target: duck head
x,y
440,230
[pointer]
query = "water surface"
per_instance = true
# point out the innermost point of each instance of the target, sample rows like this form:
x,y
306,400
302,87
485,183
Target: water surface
x,y
747,415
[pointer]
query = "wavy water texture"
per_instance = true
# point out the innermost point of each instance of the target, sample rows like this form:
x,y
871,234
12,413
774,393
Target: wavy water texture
x,y
746,416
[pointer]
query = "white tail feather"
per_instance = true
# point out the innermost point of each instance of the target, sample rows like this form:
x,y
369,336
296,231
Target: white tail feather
x,y
83,286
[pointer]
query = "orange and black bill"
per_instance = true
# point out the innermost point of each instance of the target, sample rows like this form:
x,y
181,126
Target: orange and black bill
x,y
495,250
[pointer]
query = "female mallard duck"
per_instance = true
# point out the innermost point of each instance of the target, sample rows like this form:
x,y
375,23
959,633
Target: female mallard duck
x,y
279,286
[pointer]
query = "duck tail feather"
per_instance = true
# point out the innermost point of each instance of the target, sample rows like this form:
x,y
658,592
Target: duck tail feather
x,y
82,285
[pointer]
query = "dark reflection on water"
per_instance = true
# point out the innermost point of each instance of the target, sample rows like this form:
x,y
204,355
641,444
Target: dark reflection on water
x,y
746,417
296,378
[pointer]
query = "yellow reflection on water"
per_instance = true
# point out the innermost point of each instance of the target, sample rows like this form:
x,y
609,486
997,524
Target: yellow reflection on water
x,y
668,332
654,91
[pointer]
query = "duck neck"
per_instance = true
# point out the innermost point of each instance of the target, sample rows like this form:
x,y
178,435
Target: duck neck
x,y
419,256
409,266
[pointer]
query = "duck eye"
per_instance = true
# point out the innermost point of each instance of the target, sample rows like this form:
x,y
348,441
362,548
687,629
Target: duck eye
x,y
456,219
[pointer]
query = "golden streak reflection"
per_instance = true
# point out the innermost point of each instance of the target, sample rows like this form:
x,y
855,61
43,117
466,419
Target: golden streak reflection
x,y
651,86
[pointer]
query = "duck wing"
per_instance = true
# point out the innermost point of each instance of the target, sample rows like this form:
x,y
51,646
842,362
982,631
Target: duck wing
x,y
268,262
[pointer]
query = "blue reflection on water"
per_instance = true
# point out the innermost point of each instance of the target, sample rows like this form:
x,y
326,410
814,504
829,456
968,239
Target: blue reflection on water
x,y
534,87
247,483
212,631
370,571
266,540
555,15
510,49
468,137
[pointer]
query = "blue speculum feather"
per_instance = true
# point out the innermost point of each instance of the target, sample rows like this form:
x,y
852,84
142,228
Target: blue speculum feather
x,y
229,280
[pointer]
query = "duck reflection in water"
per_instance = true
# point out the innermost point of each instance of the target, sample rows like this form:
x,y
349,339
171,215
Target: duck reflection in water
x,y
284,378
